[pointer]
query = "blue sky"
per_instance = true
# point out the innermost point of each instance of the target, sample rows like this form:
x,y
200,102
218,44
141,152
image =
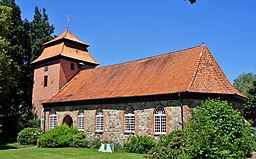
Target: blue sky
x,y
120,31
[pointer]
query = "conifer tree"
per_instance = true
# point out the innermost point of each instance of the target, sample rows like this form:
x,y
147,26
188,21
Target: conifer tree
x,y
25,44
40,32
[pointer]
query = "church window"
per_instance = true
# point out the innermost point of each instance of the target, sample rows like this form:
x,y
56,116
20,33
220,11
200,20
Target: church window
x,y
99,121
45,68
72,66
45,81
80,122
53,119
129,121
160,121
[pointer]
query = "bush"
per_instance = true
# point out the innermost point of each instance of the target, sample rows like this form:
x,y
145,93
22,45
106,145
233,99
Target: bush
x,y
216,130
62,136
139,144
168,147
29,136
35,123
94,143
165,140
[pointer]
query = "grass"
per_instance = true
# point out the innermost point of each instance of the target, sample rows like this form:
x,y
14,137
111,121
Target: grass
x,y
65,153
12,144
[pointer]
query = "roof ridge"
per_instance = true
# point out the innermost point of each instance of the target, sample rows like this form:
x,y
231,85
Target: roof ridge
x,y
196,68
150,57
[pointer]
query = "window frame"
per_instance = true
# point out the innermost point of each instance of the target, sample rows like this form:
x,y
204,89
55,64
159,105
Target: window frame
x,y
129,116
99,122
160,122
80,120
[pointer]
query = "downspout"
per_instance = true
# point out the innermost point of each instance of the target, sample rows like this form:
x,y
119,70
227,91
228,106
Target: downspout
x,y
181,108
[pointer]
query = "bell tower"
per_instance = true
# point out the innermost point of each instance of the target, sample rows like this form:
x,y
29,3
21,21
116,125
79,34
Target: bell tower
x,y
61,59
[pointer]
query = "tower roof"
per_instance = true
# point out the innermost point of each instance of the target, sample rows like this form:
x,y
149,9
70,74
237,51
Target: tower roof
x,y
66,45
192,70
66,35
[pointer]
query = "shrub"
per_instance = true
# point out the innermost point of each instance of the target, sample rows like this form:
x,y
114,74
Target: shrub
x,y
216,130
35,123
29,136
168,147
94,143
165,140
62,136
139,144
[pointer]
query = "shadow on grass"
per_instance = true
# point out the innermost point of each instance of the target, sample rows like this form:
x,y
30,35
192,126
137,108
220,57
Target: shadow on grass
x,y
7,144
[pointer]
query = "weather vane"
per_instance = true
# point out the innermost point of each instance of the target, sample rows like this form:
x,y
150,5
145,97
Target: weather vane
x,y
68,20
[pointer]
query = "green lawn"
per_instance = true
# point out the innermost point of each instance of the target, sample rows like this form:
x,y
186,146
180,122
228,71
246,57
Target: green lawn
x,y
64,153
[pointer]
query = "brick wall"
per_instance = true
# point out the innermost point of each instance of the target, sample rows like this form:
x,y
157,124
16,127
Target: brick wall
x,y
41,93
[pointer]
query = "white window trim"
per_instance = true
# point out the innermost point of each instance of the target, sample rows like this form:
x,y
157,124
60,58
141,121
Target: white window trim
x,y
159,133
100,123
54,118
129,115
79,125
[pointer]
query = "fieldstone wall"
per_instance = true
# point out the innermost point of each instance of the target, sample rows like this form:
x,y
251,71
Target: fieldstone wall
x,y
114,117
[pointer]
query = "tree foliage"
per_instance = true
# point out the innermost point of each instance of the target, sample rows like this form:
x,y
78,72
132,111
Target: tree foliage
x,y
216,130
17,38
192,1
250,106
40,32
8,68
244,82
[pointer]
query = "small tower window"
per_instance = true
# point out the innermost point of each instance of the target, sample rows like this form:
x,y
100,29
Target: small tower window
x,y
45,68
45,81
72,66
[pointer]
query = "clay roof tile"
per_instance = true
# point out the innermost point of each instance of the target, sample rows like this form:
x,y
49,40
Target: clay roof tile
x,y
189,70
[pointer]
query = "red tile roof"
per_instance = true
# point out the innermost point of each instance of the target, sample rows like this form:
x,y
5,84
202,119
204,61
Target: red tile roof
x,y
189,70
58,47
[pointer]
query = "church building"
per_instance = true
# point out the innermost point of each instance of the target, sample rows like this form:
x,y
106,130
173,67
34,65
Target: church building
x,y
150,96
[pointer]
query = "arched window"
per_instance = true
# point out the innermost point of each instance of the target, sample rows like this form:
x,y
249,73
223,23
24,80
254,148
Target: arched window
x,y
99,121
53,119
80,123
129,121
160,121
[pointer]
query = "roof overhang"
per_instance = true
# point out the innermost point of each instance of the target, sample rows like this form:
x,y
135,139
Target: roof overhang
x,y
158,97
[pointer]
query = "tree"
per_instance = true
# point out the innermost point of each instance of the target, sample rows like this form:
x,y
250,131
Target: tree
x,y
40,32
192,1
244,82
216,130
250,106
8,69
25,43
15,32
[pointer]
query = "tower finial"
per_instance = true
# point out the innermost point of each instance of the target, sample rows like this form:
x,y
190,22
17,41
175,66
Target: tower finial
x,y
68,20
